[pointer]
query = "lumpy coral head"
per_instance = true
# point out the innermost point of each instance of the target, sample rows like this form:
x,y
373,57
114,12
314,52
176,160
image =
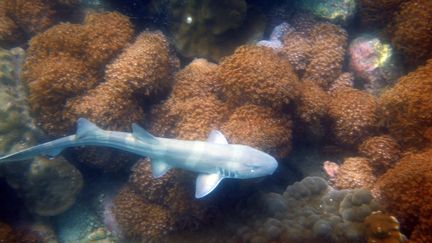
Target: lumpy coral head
x,y
407,107
355,172
354,115
406,192
259,127
411,32
257,75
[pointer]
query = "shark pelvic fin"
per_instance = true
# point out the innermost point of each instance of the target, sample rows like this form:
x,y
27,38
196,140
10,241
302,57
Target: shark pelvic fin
x,y
206,183
217,137
85,127
159,168
142,134
53,152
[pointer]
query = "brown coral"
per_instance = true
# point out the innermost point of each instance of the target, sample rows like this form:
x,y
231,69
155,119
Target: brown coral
x,y
408,107
257,75
411,32
141,69
355,172
139,219
382,228
377,12
20,19
297,48
406,191
312,104
382,152
259,127
354,115
329,42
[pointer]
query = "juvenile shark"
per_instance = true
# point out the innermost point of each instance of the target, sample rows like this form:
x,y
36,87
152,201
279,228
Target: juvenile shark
x,y
213,159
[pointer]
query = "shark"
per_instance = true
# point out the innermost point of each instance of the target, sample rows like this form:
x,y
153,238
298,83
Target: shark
x,y
213,159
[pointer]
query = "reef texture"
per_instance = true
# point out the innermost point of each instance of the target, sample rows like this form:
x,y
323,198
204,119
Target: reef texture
x,y
411,31
408,109
377,13
297,48
20,19
355,172
406,192
327,54
353,114
337,11
148,208
308,211
206,29
381,151
257,75
261,128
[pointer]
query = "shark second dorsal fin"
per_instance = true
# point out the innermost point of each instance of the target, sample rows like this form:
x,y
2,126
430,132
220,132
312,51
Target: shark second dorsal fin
x,y
206,183
142,134
85,127
217,137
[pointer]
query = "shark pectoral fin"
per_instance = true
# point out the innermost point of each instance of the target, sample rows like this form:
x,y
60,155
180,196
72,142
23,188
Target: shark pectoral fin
x,y
142,134
216,137
205,183
85,127
159,168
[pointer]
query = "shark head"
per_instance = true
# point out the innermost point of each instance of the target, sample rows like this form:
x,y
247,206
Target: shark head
x,y
255,163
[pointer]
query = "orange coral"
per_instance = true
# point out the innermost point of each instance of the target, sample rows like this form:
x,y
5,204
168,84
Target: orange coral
x,y
355,172
297,48
411,32
257,75
259,127
353,113
382,152
406,192
408,107
19,18
329,42
313,102
139,219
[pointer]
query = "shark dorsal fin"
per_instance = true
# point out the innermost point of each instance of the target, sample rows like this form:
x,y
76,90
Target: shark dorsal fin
x,y
217,137
85,127
142,134
206,183
159,168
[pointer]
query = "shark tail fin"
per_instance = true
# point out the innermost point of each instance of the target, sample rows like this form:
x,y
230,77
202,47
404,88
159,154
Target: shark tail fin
x,y
86,127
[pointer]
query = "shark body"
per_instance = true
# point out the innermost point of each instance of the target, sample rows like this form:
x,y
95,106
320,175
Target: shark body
x,y
213,159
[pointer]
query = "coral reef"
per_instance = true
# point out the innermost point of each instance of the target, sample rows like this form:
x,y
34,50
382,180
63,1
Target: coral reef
x,y
308,211
257,75
410,33
407,108
312,104
327,54
297,48
354,115
406,192
206,29
381,151
373,62
355,172
64,59
139,219
20,19
344,80
261,128
382,227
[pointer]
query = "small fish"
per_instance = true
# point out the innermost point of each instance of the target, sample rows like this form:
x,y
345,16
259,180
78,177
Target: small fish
x,y
213,159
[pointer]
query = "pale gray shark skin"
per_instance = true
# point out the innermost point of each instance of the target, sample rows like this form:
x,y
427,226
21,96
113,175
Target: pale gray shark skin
x,y
213,159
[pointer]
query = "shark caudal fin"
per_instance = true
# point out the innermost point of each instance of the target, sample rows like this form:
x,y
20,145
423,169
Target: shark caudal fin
x,y
85,128
206,183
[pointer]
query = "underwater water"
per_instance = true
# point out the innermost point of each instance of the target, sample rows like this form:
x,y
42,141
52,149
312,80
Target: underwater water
x,y
215,121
